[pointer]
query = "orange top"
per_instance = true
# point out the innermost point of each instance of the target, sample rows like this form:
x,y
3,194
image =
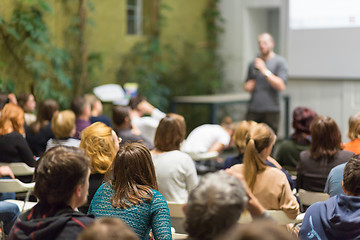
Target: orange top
x,y
353,146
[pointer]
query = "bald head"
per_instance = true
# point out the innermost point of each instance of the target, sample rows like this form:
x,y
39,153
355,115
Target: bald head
x,y
266,44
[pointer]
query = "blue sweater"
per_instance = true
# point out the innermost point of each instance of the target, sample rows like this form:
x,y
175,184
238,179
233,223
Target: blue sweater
x,y
336,218
141,218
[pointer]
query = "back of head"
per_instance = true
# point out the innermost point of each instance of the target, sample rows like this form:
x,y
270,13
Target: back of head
x,y
170,132
94,102
98,142
108,229
325,137
119,113
354,127
241,135
259,230
214,206
302,118
261,136
227,123
45,112
11,119
63,124
58,173
134,102
4,99
351,176
132,175
78,105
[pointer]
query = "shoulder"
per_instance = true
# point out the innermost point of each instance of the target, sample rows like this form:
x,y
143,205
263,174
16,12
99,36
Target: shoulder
x,y
305,155
238,168
157,198
279,59
345,154
275,172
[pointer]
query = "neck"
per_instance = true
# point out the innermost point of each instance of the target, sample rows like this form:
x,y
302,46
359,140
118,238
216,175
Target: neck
x,y
156,151
271,54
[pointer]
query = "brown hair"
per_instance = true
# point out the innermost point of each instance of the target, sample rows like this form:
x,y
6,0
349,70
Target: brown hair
x,y
241,135
351,176
354,127
132,176
63,124
325,137
58,173
119,113
12,119
98,143
170,133
45,112
261,136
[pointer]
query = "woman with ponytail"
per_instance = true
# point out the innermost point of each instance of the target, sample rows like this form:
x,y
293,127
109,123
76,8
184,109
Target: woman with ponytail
x,y
268,184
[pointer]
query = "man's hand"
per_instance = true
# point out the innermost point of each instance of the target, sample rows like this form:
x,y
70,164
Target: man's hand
x,y
145,107
260,64
6,171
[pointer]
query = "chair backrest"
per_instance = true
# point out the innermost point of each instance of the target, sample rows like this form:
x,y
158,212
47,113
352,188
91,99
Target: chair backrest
x,y
307,197
15,185
176,210
178,236
19,168
278,215
202,156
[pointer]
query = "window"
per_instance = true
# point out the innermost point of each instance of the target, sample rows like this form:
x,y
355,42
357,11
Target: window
x,y
134,17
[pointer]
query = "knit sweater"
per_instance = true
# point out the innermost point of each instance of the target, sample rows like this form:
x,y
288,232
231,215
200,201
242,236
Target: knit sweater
x,y
141,218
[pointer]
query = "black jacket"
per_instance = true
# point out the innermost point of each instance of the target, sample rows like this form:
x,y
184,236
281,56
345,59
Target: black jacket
x,y
49,222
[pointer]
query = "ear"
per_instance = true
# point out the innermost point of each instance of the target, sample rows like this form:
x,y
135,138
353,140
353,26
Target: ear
x,y
184,207
78,190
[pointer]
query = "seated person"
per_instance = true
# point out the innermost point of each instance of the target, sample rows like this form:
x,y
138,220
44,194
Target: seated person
x,y
63,127
96,110
61,185
108,229
339,216
288,152
209,137
28,104
353,134
216,204
131,194
269,185
82,111
241,137
39,132
145,124
175,170
333,185
325,153
123,128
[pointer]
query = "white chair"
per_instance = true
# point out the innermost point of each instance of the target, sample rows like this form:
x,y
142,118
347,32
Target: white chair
x,y
15,185
278,215
307,198
19,168
177,216
178,236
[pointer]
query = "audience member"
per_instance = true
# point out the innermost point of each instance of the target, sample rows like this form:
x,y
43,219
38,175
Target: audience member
x,y
7,98
209,137
241,137
13,146
339,216
145,124
123,127
108,229
325,153
39,132
216,204
63,127
6,173
27,102
96,110
268,184
101,144
175,170
353,134
288,152
333,185
131,194
61,185
82,111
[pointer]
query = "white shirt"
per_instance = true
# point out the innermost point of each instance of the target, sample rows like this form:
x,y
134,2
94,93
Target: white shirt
x,y
176,175
203,137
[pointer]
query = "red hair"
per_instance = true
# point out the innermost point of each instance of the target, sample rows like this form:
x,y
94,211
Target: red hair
x,y
12,119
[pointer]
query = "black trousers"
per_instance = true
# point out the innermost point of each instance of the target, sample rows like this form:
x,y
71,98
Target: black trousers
x,y
270,118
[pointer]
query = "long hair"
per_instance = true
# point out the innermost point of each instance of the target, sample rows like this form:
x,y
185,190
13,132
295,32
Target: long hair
x,y
170,133
354,127
261,136
12,119
45,112
241,134
132,176
325,138
98,142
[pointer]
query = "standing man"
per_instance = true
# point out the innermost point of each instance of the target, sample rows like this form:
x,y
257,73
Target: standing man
x,y
267,76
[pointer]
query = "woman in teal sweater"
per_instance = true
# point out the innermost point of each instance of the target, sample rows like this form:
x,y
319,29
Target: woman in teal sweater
x,y
131,193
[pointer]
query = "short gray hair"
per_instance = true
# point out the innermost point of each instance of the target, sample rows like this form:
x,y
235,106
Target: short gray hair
x,y
214,206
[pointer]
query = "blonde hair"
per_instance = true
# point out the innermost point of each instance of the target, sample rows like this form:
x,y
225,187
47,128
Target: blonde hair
x,y
261,137
63,123
241,134
12,119
354,127
98,143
